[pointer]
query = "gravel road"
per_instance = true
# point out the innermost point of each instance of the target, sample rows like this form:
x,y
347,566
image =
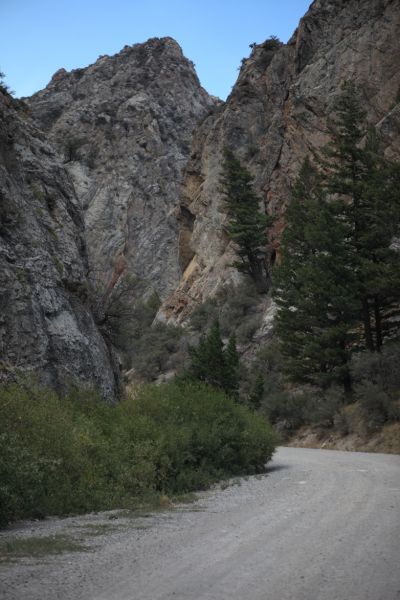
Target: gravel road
x,y
320,525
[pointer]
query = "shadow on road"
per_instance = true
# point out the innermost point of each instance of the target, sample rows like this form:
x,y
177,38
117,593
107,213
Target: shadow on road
x,y
278,467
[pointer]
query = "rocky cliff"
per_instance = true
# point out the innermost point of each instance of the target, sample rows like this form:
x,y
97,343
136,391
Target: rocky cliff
x,y
125,126
46,328
274,117
141,150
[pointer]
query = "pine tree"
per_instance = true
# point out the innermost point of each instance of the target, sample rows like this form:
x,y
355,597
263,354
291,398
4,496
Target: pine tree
x,y
257,391
215,365
314,289
367,196
231,375
338,287
246,223
379,262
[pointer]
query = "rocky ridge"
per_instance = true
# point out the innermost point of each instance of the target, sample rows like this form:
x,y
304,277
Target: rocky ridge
x,y
125,126
128,157
46,327
274,117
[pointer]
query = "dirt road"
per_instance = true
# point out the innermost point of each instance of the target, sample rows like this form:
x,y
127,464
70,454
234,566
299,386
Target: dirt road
x,y
321,525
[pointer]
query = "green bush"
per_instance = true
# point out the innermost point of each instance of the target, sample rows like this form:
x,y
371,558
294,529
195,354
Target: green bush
x,y
379,368
204,315
241,311
377,386
284,409
75,453
158,349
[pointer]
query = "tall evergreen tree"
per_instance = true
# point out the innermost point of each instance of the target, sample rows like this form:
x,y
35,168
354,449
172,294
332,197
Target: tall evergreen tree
x,y
367,196
338,287
246,223
314,289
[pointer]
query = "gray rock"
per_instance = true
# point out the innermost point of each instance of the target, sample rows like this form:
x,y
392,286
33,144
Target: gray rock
x,y
131,117
274,117
46,328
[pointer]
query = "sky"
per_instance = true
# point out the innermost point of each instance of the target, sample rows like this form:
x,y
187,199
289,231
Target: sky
x,y
38,37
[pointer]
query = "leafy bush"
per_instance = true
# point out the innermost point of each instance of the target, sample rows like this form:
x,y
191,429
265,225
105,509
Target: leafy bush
x,y
241,313
76,453
320,408
377,386
203,315
203,434
379,368
284,410
157,350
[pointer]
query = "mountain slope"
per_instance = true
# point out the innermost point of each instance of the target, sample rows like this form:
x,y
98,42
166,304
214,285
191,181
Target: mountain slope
x,y
274,117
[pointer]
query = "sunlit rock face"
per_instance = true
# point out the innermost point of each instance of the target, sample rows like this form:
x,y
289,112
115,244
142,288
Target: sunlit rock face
x,y
46,327
274,117
131,117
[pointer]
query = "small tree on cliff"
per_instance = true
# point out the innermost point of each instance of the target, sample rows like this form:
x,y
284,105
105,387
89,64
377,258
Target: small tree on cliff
x,y
247,224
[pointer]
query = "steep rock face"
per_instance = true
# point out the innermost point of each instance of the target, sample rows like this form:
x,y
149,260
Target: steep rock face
x,y
125,126
46,328
275,116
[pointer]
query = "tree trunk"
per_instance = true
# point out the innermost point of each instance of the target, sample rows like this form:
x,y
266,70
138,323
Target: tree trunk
x,y
259,276
378,324
369,340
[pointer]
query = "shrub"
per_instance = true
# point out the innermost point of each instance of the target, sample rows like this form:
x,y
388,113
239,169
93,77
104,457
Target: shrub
x,y
379,368
377,386
155,351
320,408
202,431
285,410
240,309
75,453
203,315
71,148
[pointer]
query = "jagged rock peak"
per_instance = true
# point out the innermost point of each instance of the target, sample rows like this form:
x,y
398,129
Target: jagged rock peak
x,y
132,116
163,50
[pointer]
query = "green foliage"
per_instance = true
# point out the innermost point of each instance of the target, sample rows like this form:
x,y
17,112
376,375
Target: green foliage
x,y
377,386
76,453
247,224
314,287
285,410
272,43
204,314
236,307
338,287
367,198
126,317
128,320
241,311
257,391
375,403
214,365
157,349
204,433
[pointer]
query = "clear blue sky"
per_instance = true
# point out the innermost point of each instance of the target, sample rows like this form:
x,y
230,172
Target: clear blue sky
x,y
40,36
